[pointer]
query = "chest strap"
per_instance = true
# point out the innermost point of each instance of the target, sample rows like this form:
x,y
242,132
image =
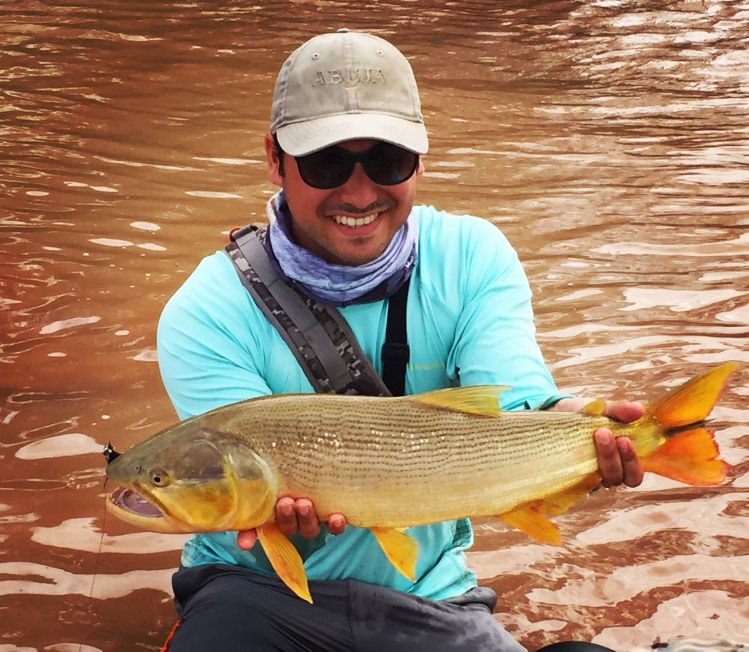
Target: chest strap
x,y
317,335
395,351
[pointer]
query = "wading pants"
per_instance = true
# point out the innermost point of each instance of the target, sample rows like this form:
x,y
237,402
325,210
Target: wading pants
x,y
232,609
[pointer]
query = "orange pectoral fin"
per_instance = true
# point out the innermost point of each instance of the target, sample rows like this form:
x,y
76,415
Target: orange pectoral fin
x,y
689,457
400,549
285,559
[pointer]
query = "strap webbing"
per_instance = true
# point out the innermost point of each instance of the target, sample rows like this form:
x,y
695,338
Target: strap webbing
x,y
318,336
395,351
296,309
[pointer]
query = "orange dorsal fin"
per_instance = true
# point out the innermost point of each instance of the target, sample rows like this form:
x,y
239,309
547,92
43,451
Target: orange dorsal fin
x,y
401,550
532,517
688,457
691,402
482,400
285,559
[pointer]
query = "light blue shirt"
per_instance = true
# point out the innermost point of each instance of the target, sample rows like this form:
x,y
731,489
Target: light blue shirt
x,y
470,322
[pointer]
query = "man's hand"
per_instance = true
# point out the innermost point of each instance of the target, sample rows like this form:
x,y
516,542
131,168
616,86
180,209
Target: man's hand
x,y
294,516
617,460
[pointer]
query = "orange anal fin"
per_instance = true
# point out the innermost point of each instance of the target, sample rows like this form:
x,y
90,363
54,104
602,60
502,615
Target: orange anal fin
x,y
529,519
691,402
532,518
285,559
688,457
400,549
560,503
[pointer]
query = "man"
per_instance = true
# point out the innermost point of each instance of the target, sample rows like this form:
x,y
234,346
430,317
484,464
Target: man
x,y
344,143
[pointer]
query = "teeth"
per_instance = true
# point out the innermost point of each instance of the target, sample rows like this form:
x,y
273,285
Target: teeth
x,y
355,221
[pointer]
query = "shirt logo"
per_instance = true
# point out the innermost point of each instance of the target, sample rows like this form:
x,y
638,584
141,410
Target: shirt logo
x,y
349,75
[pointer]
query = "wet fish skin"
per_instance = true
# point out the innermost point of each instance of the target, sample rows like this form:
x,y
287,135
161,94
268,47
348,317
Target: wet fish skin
x,y
372,459
388,463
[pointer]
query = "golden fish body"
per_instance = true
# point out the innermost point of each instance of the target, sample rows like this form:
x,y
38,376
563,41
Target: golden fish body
x,y
391,463
398,462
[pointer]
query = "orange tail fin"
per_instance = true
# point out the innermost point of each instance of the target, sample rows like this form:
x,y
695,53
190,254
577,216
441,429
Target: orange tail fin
x,y
691,455
690,403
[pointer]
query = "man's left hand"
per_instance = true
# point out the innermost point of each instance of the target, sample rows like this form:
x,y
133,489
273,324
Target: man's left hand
x,y
617,461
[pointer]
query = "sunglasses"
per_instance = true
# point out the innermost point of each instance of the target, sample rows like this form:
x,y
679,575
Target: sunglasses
x,y
384,164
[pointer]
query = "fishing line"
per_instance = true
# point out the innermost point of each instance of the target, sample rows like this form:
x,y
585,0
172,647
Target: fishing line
x,y
96,564
101,545
110,453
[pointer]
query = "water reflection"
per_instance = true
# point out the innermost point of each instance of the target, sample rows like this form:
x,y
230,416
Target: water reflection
x,y
696,515
83,534
607,139
626,583
40,579
59,446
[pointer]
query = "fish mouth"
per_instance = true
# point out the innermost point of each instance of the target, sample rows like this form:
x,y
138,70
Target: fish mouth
x,y
128,502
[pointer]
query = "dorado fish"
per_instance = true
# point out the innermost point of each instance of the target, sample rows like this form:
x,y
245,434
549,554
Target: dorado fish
x,y
391,463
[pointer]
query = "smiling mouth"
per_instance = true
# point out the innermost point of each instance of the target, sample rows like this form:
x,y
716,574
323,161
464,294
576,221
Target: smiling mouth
x,y
355,222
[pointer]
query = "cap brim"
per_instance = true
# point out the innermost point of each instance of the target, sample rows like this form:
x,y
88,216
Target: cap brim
x,y
302,138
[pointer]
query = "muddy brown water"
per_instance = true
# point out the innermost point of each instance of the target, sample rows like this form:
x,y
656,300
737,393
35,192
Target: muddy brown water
x,y
608,139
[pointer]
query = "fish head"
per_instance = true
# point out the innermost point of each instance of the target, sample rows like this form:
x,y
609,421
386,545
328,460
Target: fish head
x,y
191,478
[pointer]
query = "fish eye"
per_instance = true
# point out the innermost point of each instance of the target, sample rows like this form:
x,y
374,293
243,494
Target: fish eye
x,y
159,477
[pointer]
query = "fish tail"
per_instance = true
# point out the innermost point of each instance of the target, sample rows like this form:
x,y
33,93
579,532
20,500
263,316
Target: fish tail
x,y
690,452
691,403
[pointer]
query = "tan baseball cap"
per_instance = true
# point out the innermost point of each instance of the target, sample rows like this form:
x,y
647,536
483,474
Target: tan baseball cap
x,y
346,85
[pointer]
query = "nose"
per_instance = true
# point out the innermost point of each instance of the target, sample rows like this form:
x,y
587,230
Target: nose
x,y
359,190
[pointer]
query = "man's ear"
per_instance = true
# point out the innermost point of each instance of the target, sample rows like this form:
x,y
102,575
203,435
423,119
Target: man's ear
x,y
274,161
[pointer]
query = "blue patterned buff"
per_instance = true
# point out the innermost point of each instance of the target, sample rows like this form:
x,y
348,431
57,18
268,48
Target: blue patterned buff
x,y
340,285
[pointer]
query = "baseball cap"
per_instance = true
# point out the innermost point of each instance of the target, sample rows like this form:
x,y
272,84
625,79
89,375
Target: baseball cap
x,y
346,85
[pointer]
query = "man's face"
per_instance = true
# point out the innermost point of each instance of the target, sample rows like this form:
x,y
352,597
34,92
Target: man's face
x,y
317,215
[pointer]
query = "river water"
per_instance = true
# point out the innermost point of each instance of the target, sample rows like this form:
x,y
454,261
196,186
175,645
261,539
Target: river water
x,y
608,139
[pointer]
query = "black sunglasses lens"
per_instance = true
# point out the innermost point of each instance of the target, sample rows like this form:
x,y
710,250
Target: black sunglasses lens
x,y
388,165
328,168
385,164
